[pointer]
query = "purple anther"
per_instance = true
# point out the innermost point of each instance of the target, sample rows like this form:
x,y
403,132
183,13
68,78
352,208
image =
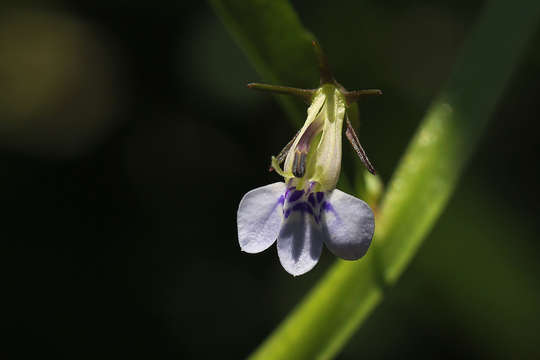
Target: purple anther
x,y
305,140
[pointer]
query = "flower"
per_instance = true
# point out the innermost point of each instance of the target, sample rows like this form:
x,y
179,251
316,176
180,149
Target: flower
x,y
306,210
301,221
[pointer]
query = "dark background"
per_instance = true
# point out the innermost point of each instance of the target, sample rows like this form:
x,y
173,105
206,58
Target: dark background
x,y
127,138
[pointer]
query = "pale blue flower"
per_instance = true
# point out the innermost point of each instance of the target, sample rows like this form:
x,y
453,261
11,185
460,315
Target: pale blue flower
x,y
306,210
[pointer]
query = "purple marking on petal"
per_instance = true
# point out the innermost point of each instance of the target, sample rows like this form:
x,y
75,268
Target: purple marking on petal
x,y
281,200
288,192
287,213
303,207
320,196
305,140
296,195
311,200
326,206
298,207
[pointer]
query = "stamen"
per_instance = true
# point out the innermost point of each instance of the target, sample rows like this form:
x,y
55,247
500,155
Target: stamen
x,y
299,163
302,147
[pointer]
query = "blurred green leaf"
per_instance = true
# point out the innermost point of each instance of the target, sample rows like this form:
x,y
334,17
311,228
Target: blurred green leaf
x,y
275,42
272,36
486,273
475,277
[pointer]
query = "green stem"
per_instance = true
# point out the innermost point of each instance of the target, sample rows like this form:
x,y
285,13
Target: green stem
x,y
324,67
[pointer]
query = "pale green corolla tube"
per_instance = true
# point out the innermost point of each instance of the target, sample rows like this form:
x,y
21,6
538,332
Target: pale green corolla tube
x,y
315,154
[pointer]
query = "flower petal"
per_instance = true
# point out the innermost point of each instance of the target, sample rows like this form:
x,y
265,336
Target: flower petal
x,y
259,217
348,224
299,243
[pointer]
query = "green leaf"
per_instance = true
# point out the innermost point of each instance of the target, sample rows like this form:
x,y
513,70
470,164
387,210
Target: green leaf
x,y
269,31
276,43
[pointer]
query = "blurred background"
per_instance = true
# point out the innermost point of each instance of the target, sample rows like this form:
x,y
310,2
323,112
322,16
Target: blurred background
x,y
128,137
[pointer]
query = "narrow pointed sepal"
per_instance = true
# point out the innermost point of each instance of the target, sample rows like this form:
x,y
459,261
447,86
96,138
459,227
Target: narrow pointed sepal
x,y
259,217
353,139
304,94
348,225
353,96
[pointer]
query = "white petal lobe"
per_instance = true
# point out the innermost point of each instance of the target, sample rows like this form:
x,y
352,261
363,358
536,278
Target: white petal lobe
x,y
348,225
299,243
259,217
